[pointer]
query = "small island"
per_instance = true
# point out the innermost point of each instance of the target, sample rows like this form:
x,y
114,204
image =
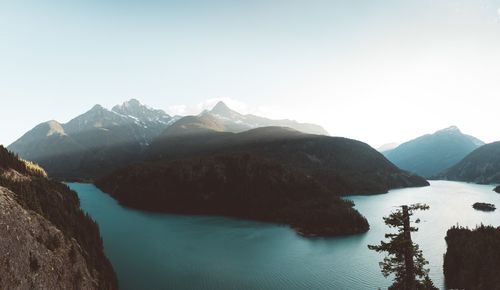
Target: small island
x,y
484,206
497,189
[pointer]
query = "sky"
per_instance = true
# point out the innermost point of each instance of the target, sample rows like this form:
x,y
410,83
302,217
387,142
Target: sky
x,y
377,71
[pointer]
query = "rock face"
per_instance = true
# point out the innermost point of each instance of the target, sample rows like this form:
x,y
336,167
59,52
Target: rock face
x,y
430,154
46,241
34,254
480,166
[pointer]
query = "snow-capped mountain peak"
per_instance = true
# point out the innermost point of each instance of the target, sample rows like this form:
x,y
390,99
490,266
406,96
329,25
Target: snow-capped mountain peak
x,y
135,110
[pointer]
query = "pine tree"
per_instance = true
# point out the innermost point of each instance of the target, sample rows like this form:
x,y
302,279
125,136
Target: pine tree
x,y
404,258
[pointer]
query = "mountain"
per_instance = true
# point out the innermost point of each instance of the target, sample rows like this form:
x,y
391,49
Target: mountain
x,y
387,147
238,185
430,154
194,125
236,122
480,166
101,140
345,166
272,173
95,142
46,241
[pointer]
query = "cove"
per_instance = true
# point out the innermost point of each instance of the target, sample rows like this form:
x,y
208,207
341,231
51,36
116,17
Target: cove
x,y
164,251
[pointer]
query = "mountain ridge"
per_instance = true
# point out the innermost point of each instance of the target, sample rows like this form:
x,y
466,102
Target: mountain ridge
x,y
236,122
480,166
99,141
275,174
288,146
93,143
430,154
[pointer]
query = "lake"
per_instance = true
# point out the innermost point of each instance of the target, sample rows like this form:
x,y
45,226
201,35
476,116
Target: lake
x,y
164,251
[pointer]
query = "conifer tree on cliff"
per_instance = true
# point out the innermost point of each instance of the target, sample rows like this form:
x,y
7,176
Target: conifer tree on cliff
x,y
404,258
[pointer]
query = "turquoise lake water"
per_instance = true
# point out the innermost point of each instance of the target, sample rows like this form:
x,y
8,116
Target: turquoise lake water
x,y
164,251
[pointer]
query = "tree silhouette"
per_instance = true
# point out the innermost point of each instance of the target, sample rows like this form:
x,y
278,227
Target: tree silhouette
x,y
404,258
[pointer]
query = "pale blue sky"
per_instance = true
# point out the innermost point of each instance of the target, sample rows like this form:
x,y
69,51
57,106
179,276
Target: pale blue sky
x,y
377,71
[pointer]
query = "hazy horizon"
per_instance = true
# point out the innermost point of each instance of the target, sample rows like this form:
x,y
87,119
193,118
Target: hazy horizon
x,y
195,109
379,72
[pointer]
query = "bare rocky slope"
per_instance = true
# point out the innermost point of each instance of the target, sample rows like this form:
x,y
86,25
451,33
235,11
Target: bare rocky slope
x,y
46,241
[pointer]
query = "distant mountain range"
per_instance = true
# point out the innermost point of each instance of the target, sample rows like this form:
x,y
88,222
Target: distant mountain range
x,y
430,154
93,143
387,147
218,162
236,122
101,140
480,166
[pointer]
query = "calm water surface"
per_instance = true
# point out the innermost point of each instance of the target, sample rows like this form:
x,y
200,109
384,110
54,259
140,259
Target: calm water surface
x,y
163,251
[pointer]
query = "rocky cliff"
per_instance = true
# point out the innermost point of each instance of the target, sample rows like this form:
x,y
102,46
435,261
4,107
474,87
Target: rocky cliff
x,y
46,241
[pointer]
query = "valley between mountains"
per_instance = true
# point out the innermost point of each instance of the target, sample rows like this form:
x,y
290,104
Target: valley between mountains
x,y
216,163
219,162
